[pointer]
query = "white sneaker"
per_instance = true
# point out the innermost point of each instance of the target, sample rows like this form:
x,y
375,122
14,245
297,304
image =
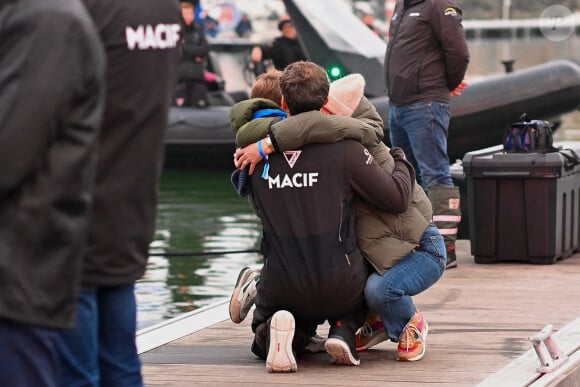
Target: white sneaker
x,y
244,294
280,355
315,344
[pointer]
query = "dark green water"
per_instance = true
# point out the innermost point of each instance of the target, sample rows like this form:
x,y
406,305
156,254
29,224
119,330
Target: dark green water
x,y
199,213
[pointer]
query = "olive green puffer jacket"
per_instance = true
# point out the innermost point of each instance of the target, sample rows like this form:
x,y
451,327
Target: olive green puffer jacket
x,y
247,129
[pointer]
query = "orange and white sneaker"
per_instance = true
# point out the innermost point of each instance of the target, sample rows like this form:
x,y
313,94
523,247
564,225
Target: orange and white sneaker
x,y
370,334
413,343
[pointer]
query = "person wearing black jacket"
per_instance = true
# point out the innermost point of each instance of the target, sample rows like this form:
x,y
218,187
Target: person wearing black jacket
x,y
192,87
141,38
304,200
283,50
425,63
51,101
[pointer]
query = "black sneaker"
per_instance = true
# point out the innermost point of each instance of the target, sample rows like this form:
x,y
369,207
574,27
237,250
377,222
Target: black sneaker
x,y
280,355
340,345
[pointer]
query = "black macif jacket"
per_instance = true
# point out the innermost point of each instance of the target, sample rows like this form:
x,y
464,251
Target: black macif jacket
x,y
312,266
427,55
142,36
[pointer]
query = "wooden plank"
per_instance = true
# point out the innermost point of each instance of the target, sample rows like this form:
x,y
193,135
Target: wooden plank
x,y
480,318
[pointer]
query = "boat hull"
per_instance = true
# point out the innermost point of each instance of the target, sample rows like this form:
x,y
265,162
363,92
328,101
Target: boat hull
x,y
204,137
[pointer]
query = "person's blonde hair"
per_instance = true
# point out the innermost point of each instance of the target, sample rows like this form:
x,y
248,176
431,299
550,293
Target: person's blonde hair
x,y
267,85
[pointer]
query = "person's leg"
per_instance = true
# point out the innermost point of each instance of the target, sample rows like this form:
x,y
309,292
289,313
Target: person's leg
x,y
398,115
28,355
261,329
78,347
446,202
118,359
427,126
305,337
199,94
390,295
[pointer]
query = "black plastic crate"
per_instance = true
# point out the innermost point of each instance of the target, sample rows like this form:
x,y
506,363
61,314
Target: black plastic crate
x,y
523,207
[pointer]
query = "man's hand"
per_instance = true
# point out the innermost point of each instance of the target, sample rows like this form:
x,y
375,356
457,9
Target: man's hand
x,y
247,156
256,54
459,89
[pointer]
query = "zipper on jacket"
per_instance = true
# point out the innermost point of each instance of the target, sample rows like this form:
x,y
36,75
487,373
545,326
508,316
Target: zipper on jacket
x,y
340,232
417,71
340,223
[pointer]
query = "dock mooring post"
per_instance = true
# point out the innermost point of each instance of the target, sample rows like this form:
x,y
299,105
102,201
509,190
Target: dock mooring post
x,y
508,65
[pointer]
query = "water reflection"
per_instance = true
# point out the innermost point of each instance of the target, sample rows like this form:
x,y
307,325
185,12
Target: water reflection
x,y
487,54
200,216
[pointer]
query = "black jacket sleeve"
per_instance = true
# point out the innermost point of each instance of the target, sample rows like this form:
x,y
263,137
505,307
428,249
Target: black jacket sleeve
x,y
446,19
196,47
391,192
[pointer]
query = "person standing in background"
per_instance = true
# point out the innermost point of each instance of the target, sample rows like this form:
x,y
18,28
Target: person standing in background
x,y
283,50
51,102
425,63
210,26
141,39
192,86
244,27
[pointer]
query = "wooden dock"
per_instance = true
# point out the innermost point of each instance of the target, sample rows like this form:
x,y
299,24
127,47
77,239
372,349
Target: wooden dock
x,y
480,319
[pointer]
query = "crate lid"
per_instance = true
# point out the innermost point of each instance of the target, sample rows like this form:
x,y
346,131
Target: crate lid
x,y
494,162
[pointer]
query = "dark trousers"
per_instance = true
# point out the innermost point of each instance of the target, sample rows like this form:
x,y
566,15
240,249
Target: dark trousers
x,y
28,355
101,350
192,93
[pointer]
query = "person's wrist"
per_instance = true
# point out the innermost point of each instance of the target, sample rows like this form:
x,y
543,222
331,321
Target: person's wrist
x,y
261,149
267,146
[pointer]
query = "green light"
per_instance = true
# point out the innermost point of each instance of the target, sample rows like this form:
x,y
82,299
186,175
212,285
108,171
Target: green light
x,y
335,72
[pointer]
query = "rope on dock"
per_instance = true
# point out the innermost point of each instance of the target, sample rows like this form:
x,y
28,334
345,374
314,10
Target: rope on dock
x,y
200,253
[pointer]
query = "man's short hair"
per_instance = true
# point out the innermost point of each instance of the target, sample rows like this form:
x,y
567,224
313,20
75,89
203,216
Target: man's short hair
x,y
267,85
282,23
304,86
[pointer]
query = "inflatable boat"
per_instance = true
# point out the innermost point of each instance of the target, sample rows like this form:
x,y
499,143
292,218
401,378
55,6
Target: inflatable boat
x,y
204,137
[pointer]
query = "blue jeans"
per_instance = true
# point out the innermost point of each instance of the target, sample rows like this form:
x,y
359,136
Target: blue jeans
x,y
101,350
421,130
28,355
389,295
